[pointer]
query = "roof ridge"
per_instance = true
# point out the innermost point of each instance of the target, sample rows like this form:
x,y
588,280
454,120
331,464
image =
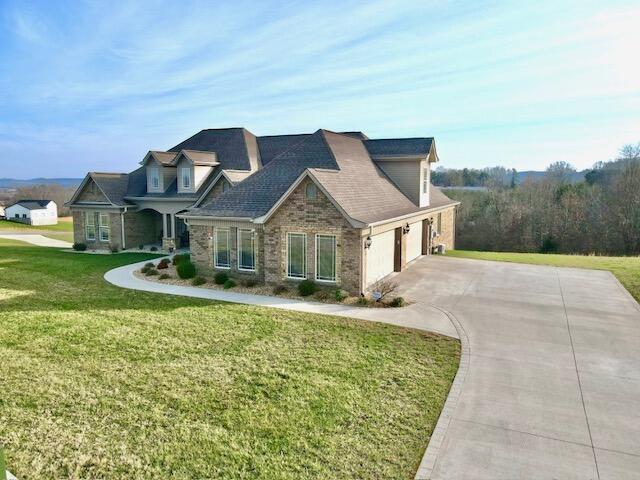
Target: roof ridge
x,y
398,138
110,173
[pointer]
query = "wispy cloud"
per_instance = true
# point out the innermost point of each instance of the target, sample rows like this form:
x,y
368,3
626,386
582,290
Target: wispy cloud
x,y
94,85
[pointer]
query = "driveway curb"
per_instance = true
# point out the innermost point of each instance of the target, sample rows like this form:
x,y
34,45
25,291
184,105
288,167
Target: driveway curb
x,y
430,457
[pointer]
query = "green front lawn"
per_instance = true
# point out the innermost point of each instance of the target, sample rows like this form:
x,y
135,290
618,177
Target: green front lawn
x,y
63,230
102,382
626,269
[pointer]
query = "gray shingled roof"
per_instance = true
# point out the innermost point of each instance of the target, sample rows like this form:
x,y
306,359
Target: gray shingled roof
x,y
32,204
259,192
228,143
273,145
114,185
399,146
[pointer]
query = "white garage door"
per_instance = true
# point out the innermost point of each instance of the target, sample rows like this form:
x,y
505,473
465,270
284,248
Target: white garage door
x,y
414,241
380,256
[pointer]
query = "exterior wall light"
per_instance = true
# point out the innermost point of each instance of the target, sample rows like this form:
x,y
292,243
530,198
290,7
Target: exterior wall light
x,y
368,242
406,228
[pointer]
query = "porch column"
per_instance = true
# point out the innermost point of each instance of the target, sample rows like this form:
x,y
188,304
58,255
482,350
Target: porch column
x,y
173,225
164,226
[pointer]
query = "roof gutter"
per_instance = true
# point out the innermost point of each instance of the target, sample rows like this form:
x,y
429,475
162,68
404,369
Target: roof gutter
x,y
210,217
413,214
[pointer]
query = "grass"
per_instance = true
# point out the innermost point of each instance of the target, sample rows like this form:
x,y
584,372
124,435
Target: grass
x,y
626,269
102,382
63,230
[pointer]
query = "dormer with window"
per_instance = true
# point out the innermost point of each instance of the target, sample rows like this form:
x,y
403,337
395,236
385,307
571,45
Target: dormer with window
x,y
160,171
193,168
407,163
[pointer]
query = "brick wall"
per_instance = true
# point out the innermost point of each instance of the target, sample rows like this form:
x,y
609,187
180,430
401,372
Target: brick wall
x,y
91,193
446,234
115,231
143,227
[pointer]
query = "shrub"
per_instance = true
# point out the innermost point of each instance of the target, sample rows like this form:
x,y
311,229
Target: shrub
x,y
549,245
397,302
115,248
147,266
307,287
340,295
141,246
384,288
279,289
164,276
164,263
229,284
198,281
186,269
150,272
362,300
220,278
153,249
250,282
177,258
79,247
322,295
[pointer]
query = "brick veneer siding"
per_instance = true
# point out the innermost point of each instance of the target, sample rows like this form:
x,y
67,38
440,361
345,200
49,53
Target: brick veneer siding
x,y
140,228
446,234
319,216
143,227
91,193
115,231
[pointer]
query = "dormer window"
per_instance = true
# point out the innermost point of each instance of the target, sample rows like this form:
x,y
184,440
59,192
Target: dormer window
x,y
425,180
155,178
186,178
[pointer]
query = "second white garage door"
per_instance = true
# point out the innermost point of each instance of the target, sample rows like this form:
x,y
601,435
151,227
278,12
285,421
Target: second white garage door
x,y
414,241
380,256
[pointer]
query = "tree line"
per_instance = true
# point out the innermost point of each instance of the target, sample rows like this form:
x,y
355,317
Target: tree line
x,y
599,215
50,191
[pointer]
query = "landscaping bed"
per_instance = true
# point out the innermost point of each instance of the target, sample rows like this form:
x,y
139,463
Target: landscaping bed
x,y
104,382
166,272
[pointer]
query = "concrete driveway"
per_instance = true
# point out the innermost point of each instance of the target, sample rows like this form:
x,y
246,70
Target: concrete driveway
x,y
552,389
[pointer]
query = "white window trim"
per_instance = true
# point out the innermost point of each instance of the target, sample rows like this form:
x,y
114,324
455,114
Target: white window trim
x,y
335,258
88,215
253,239
304,277
425,180
186,170
102,227
215,248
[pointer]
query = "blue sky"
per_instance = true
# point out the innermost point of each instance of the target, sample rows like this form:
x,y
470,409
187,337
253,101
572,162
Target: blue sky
x,y
89,85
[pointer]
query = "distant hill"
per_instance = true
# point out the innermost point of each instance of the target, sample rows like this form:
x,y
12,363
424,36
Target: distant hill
x,y
534,175
16,183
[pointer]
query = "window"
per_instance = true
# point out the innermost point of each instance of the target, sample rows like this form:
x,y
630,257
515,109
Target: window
x,y
186,178
326,258
155,178
310,191
17,215
89,226
24,215
296,255
246,250
225,185
103,225
425,180
222,257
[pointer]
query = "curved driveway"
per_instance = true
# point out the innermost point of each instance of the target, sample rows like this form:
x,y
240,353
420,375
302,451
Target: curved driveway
x,y
552,389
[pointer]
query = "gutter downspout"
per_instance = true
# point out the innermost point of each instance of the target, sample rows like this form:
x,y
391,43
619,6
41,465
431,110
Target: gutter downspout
x,y
122,227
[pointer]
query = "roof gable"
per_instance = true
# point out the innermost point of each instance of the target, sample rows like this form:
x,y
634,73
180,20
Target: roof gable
x,y
229,144
162,158
399,147
197,157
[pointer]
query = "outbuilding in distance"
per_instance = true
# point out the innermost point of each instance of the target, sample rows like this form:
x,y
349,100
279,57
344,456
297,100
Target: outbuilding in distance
x,y
33,212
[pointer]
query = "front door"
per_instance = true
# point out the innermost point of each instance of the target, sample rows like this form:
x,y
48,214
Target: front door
x,y
182,233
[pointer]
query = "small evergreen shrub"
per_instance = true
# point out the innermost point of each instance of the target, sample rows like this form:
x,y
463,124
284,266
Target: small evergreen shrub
x,y
340,295
162,264
307,287
147,266
151,272
115,248
198,281
229,284
279,289
141,246
397,302
164,276
179,257
79,246
220,278
186,269
153,249
364,301
322,295
250,282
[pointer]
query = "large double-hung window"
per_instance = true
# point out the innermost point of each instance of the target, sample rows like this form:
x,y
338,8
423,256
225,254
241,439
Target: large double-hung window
x,y
89,225
296,255
104,227
222,248
246,250
326,258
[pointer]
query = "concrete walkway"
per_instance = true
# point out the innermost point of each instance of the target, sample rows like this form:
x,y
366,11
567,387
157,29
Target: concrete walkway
x,y
418,316
36,239
553,383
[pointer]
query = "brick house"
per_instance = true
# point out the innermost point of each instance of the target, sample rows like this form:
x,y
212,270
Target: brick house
x,y
338,208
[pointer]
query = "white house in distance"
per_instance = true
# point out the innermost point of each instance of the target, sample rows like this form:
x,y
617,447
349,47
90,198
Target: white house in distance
x,y
33,212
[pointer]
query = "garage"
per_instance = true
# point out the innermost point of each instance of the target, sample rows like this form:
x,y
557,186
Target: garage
x,y
380,256
414,241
